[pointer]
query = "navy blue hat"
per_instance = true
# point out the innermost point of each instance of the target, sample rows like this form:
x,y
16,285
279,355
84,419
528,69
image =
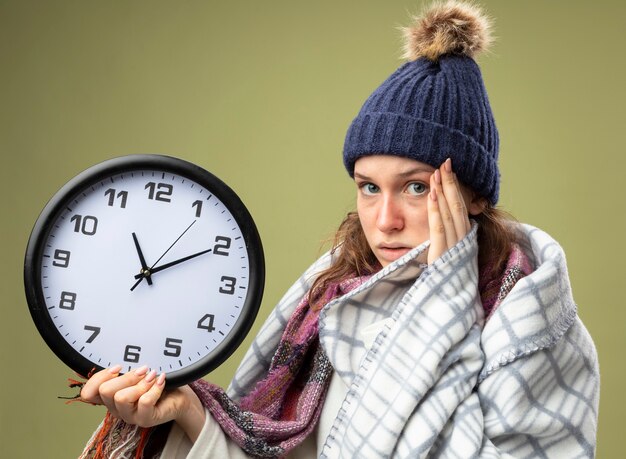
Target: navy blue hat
x,y
435,106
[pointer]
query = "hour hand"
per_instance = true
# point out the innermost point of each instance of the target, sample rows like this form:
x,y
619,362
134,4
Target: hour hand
x,y
142,260
172,263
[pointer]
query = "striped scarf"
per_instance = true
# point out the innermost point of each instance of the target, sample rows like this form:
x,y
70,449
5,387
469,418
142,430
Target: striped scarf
x,y
284,407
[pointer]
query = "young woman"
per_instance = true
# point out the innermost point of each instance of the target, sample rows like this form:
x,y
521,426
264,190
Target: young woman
x,y
434,327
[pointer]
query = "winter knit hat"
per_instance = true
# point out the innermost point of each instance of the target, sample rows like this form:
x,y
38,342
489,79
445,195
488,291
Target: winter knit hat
x,y
435,106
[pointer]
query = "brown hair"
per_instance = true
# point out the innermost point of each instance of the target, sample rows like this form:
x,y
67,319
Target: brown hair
x,y
355,257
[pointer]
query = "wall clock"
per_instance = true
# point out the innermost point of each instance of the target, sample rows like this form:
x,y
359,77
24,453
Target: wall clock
x,y
144,260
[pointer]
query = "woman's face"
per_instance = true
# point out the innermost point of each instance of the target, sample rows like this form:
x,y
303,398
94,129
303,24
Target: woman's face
x,y
392,203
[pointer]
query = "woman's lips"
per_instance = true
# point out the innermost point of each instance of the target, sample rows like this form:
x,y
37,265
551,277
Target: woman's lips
x,y
393,252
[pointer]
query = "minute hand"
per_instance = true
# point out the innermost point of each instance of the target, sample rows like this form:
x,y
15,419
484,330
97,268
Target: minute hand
x,y
174,263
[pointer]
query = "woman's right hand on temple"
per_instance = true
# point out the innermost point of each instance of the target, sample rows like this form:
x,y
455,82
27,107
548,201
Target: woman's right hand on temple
x,y
138,398
447,212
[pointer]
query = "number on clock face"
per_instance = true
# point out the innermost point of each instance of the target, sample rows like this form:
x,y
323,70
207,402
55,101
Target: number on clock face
x,y
90,262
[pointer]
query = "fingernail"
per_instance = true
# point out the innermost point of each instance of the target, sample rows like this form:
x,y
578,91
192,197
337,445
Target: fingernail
x,y
437,176
150,376
161,379
141,370
115,369
448,165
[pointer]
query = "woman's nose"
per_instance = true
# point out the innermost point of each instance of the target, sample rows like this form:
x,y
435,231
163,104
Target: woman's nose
x,y
390,217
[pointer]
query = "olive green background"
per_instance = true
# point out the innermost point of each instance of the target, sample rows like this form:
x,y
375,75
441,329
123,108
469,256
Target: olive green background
x,y
261,94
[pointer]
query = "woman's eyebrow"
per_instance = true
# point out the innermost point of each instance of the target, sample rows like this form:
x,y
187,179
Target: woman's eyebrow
x,y
416,170
361,176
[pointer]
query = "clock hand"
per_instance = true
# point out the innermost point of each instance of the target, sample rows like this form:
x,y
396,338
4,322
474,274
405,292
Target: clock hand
x,y
146,272
168,249
173,263
142,260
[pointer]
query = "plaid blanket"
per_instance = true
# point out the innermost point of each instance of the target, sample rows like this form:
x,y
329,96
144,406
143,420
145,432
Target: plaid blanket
x,y
439,381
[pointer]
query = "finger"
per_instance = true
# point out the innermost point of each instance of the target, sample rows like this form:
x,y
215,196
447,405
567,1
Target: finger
x,y
468,225
437,231
151,397
90,392
147,409
455,201
109,388
444,211
126,399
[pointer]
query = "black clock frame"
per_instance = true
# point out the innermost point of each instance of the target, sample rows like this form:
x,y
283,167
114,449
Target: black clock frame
x,y
119,165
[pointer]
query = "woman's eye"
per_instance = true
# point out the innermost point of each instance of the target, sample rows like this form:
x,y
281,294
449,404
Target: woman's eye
x,y
369,188
417,188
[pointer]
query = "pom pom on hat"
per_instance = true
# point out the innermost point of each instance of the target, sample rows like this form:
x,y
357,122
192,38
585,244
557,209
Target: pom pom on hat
x,y
447,28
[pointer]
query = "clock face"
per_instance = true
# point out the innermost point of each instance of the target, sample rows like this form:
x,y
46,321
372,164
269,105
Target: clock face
x,y
144,260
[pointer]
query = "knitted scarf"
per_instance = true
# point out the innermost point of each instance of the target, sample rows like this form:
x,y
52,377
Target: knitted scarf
x,y
284,407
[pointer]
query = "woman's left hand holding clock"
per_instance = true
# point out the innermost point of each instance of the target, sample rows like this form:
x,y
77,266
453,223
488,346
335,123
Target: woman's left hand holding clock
x,y
138,397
